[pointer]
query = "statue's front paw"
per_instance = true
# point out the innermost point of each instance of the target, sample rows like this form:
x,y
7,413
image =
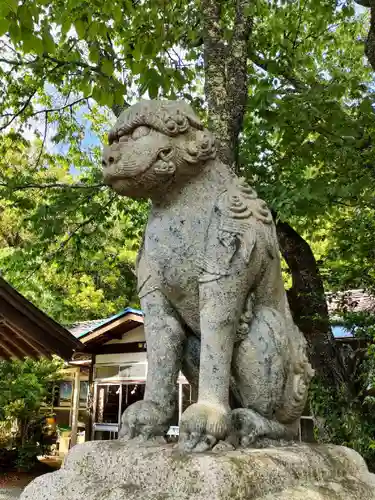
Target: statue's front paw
x,y
144,418
202,426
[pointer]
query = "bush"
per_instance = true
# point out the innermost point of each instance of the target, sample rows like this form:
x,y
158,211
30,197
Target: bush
x,y
24,390
349,420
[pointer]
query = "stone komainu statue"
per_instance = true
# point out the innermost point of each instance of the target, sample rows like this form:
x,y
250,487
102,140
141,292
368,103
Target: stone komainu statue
x,y
210,285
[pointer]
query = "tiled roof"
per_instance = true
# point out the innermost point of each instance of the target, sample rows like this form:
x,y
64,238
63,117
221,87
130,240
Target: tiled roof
x,y
78,329
83,327
350,301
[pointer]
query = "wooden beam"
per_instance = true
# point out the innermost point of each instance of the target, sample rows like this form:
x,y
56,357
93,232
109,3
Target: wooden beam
x,y
75,407
29,341
118,348
4,355
15,342
5,347
89,435
22,324
111,326
17,353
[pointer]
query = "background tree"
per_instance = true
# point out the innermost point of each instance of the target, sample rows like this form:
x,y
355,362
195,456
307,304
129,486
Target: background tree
x,y
283,90
23,392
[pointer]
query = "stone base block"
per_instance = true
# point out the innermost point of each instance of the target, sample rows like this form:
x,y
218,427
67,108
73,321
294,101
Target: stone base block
x,y
111,470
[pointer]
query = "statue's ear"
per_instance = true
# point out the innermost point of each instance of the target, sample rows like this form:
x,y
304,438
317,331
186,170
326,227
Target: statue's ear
x,y
164,164
202,148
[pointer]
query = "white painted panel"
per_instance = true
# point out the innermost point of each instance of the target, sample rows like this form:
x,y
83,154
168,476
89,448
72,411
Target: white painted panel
x,y
120,358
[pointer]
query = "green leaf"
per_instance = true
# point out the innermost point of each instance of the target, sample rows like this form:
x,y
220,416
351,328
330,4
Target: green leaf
x,y
13,4
49,43
38,46
94,54
4,26
65,27
15,33
80,28
100,96
119,97
25,16
85,87
107,67
117,14
152,82
94,29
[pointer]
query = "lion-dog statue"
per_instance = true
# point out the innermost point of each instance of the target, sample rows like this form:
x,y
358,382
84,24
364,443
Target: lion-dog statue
x,y
210,286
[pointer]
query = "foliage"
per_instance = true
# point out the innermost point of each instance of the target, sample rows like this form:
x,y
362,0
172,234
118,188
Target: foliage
x,y
308,141
347,418
70,250
307,144
23,392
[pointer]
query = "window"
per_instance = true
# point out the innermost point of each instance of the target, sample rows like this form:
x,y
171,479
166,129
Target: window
x,y
102,372
340,331
83,392
108,399
189,396
65,394
130,394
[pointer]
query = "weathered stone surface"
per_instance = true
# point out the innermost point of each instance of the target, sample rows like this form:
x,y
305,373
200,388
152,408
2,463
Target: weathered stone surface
x,y
110,470
210,284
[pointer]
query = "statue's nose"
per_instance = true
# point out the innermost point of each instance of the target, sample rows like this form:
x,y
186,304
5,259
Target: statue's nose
x,y
107,158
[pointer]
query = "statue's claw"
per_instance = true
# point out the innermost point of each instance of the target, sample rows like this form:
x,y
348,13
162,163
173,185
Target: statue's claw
x,y
202,426
144,418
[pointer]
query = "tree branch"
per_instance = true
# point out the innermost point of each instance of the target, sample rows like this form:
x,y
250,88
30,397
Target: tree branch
x,y
19,112
43,143
275,69
55,185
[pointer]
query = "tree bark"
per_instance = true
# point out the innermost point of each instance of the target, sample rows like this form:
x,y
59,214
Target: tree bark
x,y
370,42
309,307
226,92
225,65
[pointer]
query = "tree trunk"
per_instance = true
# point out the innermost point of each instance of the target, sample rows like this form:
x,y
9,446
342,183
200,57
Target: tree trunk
x,y
225,65
309,307
226,93
370,42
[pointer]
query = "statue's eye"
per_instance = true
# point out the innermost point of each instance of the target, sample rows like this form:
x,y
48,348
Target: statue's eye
x,y
140,131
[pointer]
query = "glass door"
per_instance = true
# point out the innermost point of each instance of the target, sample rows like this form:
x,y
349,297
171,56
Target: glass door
x,y
130,394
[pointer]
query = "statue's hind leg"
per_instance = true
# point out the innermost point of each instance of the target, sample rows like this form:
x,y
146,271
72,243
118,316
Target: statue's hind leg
x,y
260,369
248,426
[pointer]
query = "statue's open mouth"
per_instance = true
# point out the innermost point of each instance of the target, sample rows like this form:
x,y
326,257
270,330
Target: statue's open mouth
x,y
109,177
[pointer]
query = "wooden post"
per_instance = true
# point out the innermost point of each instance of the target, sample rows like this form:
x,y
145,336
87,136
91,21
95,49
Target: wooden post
x,y
91,409
180,394
75,407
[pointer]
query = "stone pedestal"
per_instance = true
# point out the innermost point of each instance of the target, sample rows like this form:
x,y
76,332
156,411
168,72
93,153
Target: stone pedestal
x,y
113,470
